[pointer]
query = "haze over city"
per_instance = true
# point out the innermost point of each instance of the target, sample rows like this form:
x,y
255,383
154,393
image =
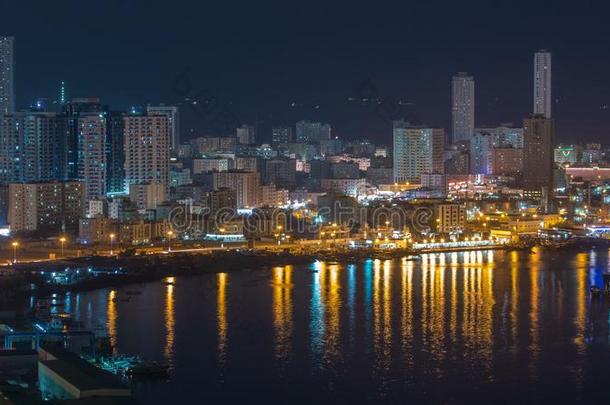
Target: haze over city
x,y
259,58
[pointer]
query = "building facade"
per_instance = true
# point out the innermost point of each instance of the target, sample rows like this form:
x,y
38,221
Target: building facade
x,y
417,150
281,135
538,144
46,206
7,75
246,135
462,110
92,155
450,218
245,184
307,131
542,83
173,122
147,154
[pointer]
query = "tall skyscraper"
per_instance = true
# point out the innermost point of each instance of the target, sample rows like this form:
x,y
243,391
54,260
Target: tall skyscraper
x,y
417,151
92,155
542,83
173,121
7,75
115,148
72,111
462,110
146,149
538,168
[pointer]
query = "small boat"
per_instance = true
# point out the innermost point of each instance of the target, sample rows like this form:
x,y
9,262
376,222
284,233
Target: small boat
x,y
595,290
414,257
148,369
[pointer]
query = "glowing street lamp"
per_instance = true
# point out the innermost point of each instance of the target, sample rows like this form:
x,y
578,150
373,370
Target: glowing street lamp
x,y
112,236
15,245
169,240
62,240
278,235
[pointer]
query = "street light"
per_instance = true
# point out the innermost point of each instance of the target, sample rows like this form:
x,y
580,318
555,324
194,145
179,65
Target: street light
x,y
111,242
15,245
62,240
169,240
222,239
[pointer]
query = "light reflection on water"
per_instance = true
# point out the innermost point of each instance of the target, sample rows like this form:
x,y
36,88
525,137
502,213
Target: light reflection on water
x,y
432,329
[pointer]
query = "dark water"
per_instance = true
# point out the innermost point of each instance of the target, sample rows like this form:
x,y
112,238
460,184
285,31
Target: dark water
x,y
480,327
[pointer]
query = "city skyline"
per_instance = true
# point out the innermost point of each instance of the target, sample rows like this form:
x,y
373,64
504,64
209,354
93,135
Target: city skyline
x,y
304,203
320,91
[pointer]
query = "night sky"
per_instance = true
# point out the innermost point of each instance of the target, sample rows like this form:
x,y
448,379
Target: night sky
x,y
276,63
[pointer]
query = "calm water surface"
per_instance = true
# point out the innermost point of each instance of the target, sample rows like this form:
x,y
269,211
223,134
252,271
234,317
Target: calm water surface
x,y
484,327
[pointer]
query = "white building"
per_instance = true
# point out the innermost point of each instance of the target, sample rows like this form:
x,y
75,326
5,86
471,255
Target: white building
x,y
542,83
417,151
146,150
462,107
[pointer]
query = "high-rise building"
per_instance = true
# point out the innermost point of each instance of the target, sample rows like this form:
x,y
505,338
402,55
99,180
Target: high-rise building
x,y
281,135
146,149
246,135
72,111
417,151
147,196
245,184
462,110
212,164
45,206
538,143
568,154
481,153
115,147
281,172
92,155
504,136
173,122
507,161
7,75
308,131
33,147
542,83
221,199
203,145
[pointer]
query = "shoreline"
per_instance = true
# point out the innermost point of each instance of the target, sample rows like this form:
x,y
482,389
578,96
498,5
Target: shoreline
x,y
149,268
